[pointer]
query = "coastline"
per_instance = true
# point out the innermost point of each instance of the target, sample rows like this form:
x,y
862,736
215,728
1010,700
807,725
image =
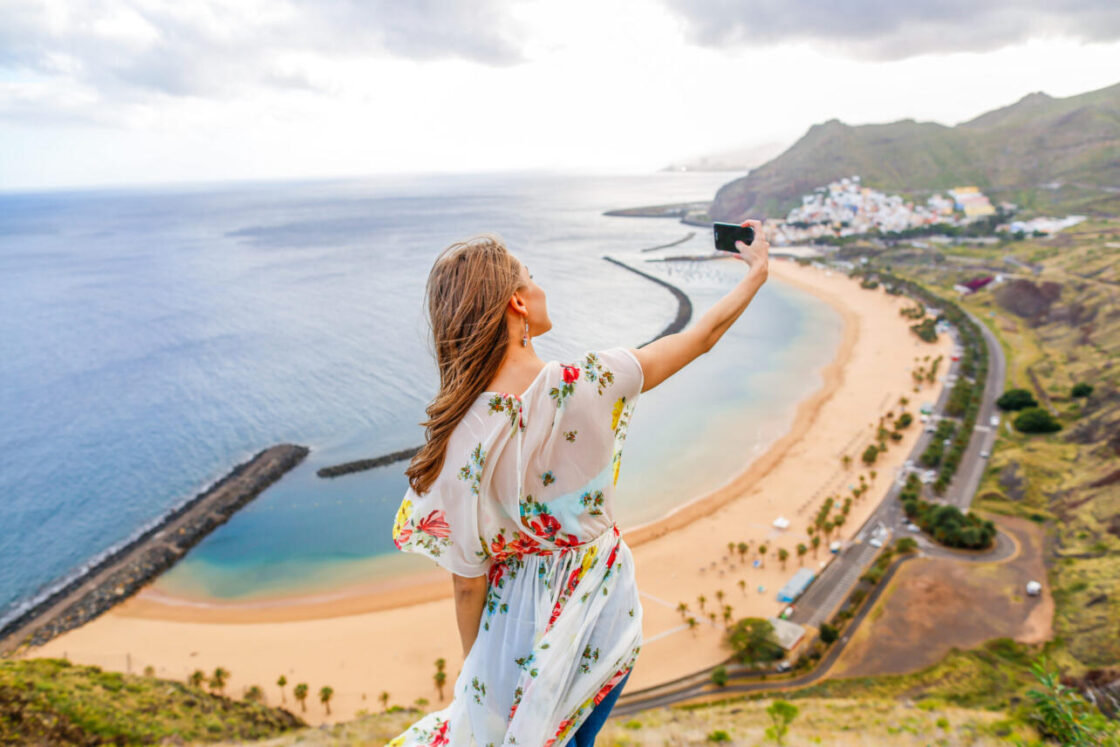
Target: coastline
x,y
420,587
373,639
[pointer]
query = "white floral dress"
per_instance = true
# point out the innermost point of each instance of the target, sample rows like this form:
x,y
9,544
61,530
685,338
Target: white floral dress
x,y
525,497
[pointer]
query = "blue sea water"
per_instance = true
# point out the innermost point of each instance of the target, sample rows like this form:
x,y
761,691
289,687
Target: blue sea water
x,y
151,339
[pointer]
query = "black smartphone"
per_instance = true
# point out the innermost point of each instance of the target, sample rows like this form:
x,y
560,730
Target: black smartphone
x,y
728,233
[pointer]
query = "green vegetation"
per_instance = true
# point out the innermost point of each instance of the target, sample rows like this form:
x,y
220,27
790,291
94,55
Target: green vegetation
x,y
752,641
924,329
1016,399
1036,420
50,701
782,714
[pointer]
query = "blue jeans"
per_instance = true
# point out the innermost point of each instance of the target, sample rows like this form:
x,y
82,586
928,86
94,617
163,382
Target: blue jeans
x,y
585,735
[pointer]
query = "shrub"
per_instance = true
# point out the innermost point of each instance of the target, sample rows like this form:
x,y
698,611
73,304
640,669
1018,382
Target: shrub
x,y
1082,390
1016,399
719,735
1036,420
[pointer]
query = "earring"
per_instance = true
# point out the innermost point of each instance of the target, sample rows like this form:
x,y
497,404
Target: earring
x,y
525,337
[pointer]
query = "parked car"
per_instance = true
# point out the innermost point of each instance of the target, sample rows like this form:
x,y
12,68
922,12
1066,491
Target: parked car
x,y
783,666
931,428
912,527
875,542
994,421
984,454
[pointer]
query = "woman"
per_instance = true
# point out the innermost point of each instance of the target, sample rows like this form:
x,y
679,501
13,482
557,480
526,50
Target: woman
x,y
512,493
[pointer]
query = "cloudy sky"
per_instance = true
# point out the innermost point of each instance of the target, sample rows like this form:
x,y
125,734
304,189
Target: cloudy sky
x,y
140,91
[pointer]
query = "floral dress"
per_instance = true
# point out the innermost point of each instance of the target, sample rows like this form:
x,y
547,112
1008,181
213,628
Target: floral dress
x,y
525,498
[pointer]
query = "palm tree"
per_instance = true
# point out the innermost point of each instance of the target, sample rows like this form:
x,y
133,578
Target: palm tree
x,y
682,608
730,548
440,675
197,678
816,544
300,692
847,460
281,683
701,599
325,693
692,624
384,698
218,680
873,473
719,594
743,585
762,552
801,550
441,679
712,617
254,694
782,555
742,547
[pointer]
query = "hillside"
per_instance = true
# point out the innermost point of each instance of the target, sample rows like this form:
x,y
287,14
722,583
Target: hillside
x,y
49,701
1040,152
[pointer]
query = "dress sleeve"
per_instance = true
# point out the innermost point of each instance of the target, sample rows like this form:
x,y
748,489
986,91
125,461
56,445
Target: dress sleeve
x,y
443,524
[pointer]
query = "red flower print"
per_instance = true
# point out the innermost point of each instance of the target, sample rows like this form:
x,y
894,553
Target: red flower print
x,y
610,558
497,570
523,545
548,526
435,525
572,541
402,538
439,738
571,373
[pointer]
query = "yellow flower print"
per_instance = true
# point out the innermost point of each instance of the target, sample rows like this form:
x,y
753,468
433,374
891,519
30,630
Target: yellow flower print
x,y
396,742
589,559
617,412
403,515
617,464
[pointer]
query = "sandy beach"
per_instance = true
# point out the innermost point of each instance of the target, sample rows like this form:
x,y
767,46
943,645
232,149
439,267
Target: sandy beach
x,y
385,637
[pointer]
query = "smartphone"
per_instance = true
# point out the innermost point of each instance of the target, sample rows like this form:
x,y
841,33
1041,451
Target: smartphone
x,y
727,234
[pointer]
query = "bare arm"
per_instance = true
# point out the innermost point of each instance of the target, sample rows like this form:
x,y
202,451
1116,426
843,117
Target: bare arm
x,y
666,355
470,598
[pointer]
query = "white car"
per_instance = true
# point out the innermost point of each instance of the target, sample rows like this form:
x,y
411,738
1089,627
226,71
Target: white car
x,y
875,542
984,454
994,421
913,527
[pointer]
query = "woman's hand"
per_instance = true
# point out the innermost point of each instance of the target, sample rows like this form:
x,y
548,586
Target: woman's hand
x,y
757,254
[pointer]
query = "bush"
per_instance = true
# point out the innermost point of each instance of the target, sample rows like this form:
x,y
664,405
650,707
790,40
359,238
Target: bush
x,y
719,735
752,640
1016,399
1036,420
1082,390
719,676
829,633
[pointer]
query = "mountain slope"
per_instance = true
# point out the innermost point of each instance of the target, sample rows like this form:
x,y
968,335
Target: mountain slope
x,y
1033,142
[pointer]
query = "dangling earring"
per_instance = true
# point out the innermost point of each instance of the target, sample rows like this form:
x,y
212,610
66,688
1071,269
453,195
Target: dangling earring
x,y
525,337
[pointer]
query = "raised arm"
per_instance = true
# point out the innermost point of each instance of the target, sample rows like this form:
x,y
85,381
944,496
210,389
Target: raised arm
x,y
666,355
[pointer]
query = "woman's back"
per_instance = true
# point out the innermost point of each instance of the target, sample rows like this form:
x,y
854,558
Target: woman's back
x,y
525,498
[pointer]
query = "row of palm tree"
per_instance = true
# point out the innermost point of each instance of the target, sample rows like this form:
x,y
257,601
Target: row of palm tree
x,y
217,680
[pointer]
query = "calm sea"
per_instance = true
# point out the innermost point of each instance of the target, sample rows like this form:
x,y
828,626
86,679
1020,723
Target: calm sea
x,y
151,339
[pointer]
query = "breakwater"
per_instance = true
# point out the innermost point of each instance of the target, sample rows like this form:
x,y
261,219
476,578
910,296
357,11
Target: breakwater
x,y
361,464
679,241
122,571
684,303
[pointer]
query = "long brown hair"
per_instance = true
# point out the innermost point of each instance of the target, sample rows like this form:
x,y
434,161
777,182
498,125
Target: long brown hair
x,y
467,293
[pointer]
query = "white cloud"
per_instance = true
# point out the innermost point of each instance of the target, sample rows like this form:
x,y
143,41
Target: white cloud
x,y
147,91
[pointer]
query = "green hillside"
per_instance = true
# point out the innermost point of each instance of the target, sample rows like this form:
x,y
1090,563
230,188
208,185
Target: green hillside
x,y
1041,152
50,701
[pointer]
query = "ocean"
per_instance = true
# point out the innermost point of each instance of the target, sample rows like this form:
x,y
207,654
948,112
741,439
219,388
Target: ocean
x,y
152,338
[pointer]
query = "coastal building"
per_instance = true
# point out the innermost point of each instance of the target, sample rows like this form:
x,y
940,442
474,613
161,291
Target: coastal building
x,y
787,634
796,586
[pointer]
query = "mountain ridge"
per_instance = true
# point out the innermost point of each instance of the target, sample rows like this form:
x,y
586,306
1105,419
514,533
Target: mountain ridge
x,y
1010,151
